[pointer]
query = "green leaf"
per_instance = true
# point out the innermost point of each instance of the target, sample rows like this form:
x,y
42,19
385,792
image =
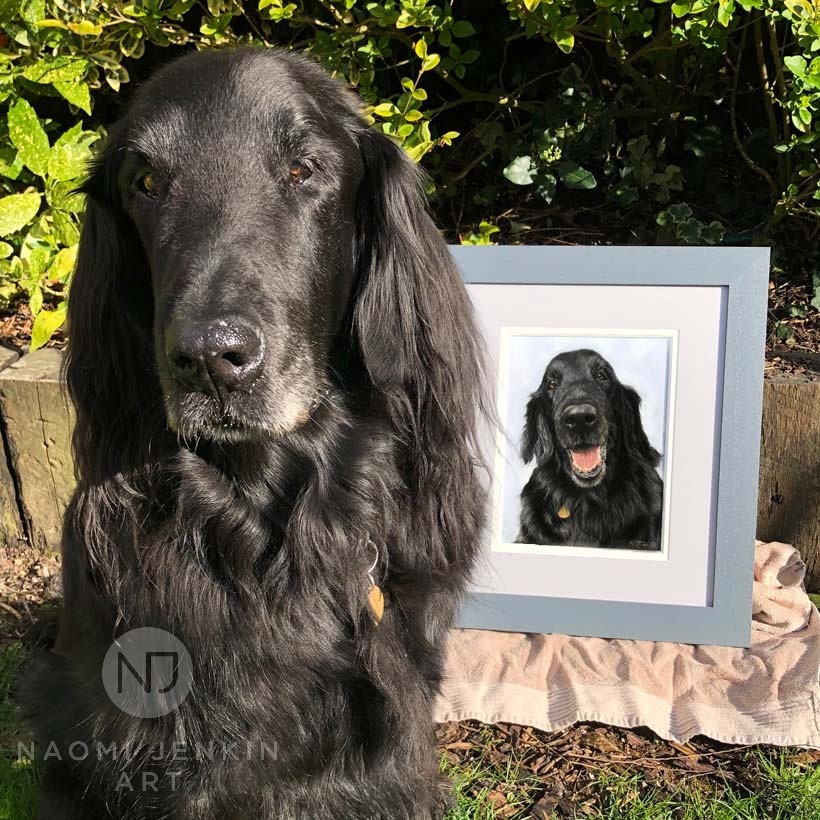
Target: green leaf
x,y
6,250
462,28
576,176
85,28
28,135
71,154
520,171
57,69
385,110
16,211
565,40
430,62
421,49
9,9
795,64
76,93
10,162
35,300
46,322
547,186
62,264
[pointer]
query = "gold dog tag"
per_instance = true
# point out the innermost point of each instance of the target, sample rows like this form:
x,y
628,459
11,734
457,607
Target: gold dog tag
x,y
563,513
376,600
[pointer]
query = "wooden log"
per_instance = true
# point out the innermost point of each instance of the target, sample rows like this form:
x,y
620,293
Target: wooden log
x,y
38,421
789,488
13,529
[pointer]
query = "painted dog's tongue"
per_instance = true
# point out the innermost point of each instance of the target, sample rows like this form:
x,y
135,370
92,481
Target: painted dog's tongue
x,y
587,459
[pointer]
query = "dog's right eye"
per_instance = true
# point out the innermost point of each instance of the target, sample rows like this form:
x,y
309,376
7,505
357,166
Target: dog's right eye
x,y
552,384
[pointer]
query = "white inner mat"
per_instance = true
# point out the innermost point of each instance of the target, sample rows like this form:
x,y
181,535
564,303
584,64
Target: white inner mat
x,y
682,573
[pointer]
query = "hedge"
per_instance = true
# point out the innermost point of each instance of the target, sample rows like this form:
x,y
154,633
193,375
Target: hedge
x,y
583,121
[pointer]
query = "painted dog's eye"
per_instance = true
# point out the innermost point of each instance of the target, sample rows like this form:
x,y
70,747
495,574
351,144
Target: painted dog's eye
x,y
147,184
552,384
602,376
299,172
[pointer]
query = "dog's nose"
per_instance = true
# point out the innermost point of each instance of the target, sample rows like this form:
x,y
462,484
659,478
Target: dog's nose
x,y
221,357
580,418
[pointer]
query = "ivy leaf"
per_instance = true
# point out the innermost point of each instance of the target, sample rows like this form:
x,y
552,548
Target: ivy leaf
x,y
520,171
46,322
547,185
575,176
16,211
71,154
26,132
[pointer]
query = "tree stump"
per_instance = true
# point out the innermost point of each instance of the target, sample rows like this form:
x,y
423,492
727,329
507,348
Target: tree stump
x,y
13,529
789,494
38,421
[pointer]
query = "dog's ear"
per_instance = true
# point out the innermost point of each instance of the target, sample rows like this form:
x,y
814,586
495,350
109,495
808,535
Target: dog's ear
x,y
536,442
416,333
627,405
109,356
412,317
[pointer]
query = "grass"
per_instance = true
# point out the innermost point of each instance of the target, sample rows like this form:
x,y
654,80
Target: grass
x,y
18,786
785,789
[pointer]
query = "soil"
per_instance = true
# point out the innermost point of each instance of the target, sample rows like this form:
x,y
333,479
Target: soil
x,y
560,774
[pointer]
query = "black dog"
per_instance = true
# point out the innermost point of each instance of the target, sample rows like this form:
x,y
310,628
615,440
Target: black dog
x,y
276,375
595,482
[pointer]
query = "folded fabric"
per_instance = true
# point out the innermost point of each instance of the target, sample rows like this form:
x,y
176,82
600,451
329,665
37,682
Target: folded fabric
x,y
769,693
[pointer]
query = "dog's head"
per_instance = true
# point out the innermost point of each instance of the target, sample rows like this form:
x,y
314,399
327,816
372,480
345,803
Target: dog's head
x,y
581,417
247,237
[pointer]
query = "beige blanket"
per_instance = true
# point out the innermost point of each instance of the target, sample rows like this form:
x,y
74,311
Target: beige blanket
x,y
769,693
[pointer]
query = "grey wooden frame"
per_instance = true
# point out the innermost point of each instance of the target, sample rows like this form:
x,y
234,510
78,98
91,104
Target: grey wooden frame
x,y
744,273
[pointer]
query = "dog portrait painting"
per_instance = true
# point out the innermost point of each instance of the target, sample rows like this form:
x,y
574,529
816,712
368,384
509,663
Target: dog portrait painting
x,y
589,475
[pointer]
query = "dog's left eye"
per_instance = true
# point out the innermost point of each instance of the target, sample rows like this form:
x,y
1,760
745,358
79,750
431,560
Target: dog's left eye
x,y
148,184
602,376
299,171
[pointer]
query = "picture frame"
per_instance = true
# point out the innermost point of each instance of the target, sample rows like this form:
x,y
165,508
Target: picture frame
x,y
687,326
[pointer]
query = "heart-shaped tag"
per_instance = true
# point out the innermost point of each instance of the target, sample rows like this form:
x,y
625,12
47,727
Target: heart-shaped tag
x,y
376,600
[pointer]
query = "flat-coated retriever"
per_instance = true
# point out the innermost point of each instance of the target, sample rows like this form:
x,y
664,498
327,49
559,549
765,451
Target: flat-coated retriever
x,y
595,481
276,373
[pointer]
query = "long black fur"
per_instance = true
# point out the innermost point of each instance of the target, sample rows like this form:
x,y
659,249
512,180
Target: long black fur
x,y
250,543
623,509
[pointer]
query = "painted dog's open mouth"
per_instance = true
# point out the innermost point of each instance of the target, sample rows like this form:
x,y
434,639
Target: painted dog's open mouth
x,y
588,464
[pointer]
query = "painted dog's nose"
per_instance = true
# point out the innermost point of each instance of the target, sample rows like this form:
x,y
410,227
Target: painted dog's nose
x,y
580,418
